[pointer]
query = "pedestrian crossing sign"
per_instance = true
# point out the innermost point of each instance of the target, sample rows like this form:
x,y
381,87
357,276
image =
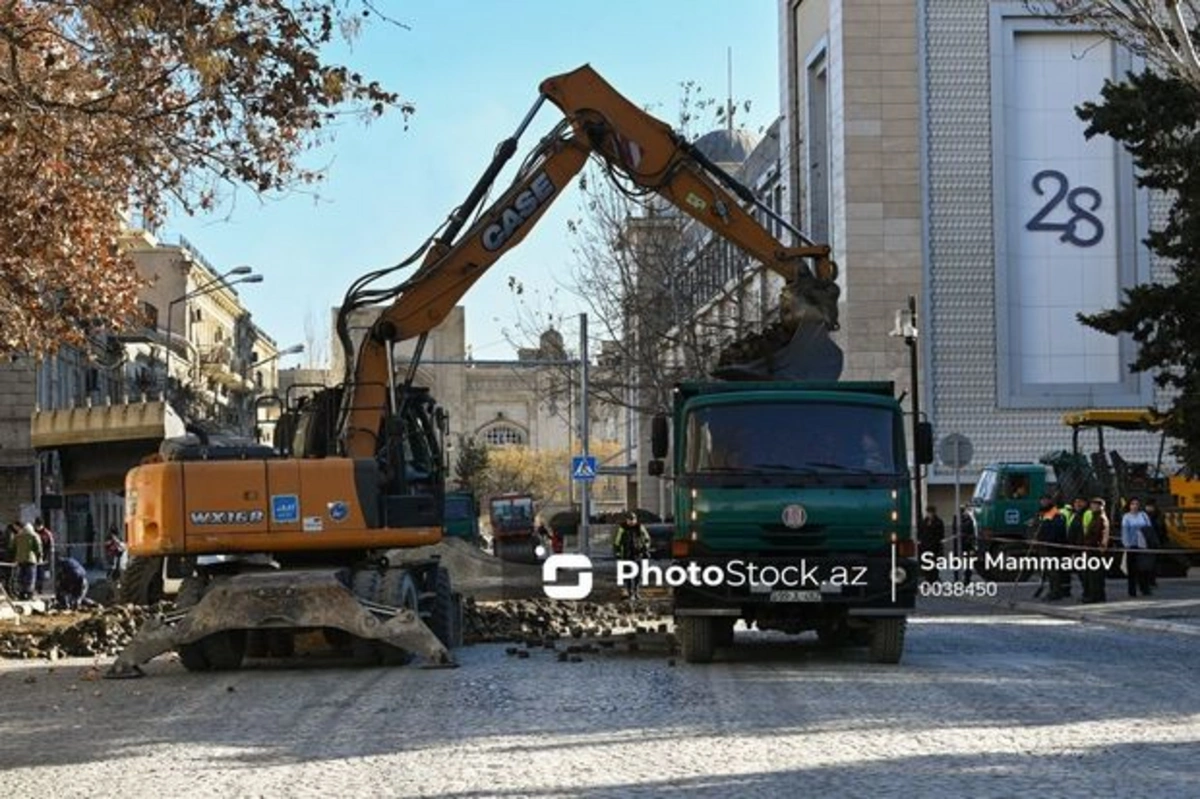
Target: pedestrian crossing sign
x,y
583,467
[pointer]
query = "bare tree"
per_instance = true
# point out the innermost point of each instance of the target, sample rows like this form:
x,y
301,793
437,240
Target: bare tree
x,y
1161,31
316,340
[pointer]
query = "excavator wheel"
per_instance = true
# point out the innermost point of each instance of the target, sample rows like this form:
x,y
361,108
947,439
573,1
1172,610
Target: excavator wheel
x,y
445,621
225,650
192,655
142,582
401,592
395,588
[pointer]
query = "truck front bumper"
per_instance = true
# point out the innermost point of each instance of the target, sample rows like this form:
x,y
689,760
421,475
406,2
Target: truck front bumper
x,y
828,585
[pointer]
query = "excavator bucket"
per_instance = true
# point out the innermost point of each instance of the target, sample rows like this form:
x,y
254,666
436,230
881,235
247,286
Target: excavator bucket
x,y
798,347
810,354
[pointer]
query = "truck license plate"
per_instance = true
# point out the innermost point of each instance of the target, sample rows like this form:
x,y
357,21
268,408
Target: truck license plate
x,y
795,596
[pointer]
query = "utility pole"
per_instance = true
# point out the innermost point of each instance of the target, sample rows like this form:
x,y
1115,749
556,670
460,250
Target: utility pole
x,y
585,489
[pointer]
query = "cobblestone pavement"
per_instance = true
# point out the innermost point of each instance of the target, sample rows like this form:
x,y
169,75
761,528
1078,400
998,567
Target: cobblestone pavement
x,y
987,704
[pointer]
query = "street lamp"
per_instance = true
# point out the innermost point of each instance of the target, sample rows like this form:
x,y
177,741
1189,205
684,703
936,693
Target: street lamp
x,y
244,276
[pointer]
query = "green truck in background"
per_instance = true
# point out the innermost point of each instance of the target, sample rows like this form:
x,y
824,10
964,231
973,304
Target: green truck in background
x,y
461,519
792,511
1003,508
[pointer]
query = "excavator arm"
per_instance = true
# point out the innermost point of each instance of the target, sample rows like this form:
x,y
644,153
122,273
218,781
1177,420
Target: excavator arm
x,y
634,146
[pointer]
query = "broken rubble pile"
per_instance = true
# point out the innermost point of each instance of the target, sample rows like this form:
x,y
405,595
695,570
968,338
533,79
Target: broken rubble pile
x,y
105,631
524,619
102,632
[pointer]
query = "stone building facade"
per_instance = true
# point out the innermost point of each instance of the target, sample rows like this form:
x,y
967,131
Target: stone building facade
x,y
530,402
74,421
936,142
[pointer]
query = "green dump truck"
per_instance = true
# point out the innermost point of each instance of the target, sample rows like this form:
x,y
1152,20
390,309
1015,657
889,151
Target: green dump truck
x,y
792,512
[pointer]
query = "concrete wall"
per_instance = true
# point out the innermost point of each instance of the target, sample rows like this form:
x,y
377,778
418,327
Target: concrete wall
x,y
874,197
17,460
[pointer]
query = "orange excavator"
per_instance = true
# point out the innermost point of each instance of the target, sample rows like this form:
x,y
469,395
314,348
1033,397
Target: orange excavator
x,y
311,534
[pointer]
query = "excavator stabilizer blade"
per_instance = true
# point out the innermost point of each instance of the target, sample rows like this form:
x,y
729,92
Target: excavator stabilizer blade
x,y
810,354
280,600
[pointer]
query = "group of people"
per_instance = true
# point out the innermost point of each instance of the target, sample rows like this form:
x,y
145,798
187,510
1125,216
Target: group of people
x,y
1067,529
1084,526
31,548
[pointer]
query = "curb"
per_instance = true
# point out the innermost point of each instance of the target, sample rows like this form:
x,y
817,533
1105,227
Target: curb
x,y
1125,622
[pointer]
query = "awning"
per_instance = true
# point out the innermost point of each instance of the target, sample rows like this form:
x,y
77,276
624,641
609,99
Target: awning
x,y
98,445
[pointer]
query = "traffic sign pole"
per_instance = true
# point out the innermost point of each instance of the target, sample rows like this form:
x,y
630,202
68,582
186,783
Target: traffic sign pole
x,y
957,451
585,490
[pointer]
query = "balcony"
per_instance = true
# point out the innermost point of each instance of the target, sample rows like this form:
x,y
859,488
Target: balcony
x,y
99,443
217,362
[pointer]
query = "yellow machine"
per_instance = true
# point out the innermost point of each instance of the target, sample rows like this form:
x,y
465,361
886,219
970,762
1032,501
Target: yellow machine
x,y
310,535
1117,479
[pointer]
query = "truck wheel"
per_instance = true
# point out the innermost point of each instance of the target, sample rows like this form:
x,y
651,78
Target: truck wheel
x,y
444,619
142,582
887,639
723,632
696,638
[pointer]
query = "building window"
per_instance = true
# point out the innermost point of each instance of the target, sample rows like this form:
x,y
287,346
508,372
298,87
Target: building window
x,y
817,145
1066,213
502,435
150,315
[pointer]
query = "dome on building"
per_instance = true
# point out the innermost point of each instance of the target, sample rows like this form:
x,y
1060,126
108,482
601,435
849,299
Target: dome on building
x,y
725,146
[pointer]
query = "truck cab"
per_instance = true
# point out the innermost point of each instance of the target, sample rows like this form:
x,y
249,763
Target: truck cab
x,y
793,507
1003,504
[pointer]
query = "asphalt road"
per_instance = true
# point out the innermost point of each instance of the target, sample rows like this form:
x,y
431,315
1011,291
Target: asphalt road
x,y
985,704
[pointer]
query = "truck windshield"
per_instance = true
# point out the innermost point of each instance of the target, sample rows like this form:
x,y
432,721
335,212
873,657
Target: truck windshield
x,y
802,437
985,488
512,513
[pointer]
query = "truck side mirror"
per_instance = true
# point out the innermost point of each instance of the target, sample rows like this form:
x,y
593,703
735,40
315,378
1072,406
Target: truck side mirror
x,y
655,468
659,436
924,443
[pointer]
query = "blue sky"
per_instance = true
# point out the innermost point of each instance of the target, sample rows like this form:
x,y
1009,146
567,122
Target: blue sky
x,y
472,69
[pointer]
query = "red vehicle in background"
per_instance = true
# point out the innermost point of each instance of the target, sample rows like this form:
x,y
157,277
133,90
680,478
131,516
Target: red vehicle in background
x,y
514,531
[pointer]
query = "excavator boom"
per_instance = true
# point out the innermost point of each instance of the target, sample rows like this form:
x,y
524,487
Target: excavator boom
x,y
639,148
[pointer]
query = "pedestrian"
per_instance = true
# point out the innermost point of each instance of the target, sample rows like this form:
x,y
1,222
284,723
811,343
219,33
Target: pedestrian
x,y
114,553
28,555
44,568
1156,537
1051,534
1077,515
548,539
631,542
966,527
1134,525
1096,540
70,584
931,535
